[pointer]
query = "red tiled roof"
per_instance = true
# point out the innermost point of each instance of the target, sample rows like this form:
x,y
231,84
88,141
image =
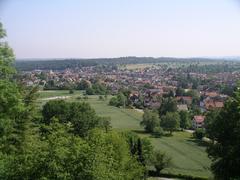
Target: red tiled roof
x,y
199,119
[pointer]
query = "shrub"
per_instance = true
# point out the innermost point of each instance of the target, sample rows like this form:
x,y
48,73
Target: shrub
x,y
158,132
160,161
71,91
199,133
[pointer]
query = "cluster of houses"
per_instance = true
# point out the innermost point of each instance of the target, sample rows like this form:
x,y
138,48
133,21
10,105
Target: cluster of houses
x,y
147,85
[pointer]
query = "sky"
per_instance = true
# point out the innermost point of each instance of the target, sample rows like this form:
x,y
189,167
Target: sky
x,y
117,28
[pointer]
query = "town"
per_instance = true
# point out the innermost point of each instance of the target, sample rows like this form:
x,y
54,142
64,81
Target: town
x,y
196,87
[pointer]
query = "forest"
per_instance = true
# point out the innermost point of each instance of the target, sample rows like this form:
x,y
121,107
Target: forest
x,y
61,64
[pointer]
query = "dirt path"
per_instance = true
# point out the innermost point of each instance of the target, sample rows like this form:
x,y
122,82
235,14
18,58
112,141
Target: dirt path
x,y
55,97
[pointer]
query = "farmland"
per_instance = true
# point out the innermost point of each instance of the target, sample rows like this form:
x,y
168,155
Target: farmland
x,y
188,158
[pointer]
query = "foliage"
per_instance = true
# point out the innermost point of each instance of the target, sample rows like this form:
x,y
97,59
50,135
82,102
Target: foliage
x,y
160,161
105,123
185,121
141,148
97,88
56,108
199,133
170,121
119,100
71,91
158,131
81,116
83,85
6,57
150,121
209,121
167,105
113,101
224,130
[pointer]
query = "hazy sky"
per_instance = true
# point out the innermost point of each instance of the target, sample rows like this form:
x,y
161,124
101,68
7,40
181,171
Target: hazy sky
x,y
113,28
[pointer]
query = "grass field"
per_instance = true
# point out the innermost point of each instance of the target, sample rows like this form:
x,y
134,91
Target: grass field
x,y
120,118
188,158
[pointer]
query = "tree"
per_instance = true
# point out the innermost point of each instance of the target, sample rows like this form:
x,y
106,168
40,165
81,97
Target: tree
x,y
119,100
113,101
170,121
83,118
225,133
141,148
168,105
105,123
89,91
179,91
158,131
56,108
122,100
150,121
184,120
113,160
160,161
13,112
209,121
6,57
83,85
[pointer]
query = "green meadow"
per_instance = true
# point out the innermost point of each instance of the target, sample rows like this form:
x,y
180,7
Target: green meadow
x,y
188,156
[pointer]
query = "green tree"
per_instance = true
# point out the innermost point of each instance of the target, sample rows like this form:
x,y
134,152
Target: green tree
x,y
122,100
90,91
150,121
105,123
141,148
170,121
185,121
160,161
6,57
83,85
56,108
113,101
119,100
167,105
83,118
225,133
12,108
179,91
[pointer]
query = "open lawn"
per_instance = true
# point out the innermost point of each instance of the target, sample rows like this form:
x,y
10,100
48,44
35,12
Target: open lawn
x,y
120,118
188,157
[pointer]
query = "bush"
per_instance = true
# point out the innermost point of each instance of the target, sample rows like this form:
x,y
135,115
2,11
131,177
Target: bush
x,y
113,101
79,98
199,133
101,98
89,91
158,132
160,161
71,91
